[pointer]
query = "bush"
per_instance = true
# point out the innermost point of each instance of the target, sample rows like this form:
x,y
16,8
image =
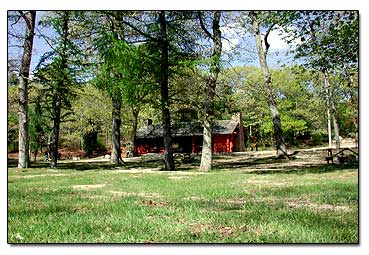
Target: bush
x,y
100,147
89,142
319,138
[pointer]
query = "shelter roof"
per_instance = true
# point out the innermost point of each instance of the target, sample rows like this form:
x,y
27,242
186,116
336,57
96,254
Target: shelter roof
x,y
187,129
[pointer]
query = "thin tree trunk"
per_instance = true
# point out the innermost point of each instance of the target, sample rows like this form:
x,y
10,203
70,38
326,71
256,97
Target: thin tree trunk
x,y
53,153
106,138
335,126
329,126
333,110
355,104
164,66
132,151
116,151
58,94
35,153
23,158
211,81
240,146
277,125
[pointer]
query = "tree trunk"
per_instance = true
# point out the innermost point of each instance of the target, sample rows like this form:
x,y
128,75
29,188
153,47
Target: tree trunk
x,y
211,82
35,153
207,144
23,159
277,125
329,127
164,66
132,150
207,148
335,126
333,110
53,152
240,146
116,151
278,131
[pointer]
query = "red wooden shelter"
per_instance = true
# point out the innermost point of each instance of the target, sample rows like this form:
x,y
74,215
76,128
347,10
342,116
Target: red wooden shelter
x,y
228,136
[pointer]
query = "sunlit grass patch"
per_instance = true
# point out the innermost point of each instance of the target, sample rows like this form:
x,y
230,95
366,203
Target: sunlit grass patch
x,y
132,206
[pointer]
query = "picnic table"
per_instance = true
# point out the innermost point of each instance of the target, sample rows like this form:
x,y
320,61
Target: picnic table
x,y
341,157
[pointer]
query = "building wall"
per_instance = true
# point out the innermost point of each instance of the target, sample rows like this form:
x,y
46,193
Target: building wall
x,y
149,145
221,144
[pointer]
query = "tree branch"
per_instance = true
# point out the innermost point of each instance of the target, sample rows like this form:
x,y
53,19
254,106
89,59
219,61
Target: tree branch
x,y
23,15
17,20
267,45
146,35
203,26
46,40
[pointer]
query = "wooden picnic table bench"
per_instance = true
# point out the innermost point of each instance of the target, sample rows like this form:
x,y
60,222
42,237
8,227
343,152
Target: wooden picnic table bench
x,y
185,157
342,158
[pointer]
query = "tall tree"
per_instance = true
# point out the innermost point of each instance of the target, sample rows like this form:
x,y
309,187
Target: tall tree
x,y
268,89
330,45
124,73
210,87
164,91
169,47
57,95
29,18
110,44
57,71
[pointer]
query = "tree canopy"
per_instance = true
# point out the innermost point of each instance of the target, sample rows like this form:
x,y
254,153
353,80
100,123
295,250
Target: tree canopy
x,y
108,72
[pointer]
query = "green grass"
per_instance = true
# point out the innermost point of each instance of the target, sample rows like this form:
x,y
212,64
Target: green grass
x,y
309,205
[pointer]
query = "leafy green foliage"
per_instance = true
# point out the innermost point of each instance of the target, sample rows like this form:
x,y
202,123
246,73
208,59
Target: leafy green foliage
x,y
12,118
117,51
297,93
39,123
91,114
329,39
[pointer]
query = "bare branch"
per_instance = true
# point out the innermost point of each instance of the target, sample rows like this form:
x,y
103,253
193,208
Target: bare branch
x,y
203,26
140,31
267,45
17,20
46,40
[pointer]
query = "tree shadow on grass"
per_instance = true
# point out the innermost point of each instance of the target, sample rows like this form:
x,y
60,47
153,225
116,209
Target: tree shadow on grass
x,y
85,166
272,165
251,165
313,169
249,162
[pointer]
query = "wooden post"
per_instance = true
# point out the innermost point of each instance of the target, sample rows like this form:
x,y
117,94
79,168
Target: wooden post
x,y
228,145
193,144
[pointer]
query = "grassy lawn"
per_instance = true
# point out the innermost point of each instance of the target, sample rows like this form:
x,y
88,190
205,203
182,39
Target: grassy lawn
x,y
137,203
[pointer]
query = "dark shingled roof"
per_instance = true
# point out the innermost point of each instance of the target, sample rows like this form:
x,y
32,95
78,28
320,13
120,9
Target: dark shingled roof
x,y
187,129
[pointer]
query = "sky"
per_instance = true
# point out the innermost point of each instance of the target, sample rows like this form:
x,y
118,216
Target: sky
x,y
234,40
39,44
248,55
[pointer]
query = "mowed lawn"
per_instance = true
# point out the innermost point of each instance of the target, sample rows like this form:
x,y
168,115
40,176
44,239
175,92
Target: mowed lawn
x,y
137,203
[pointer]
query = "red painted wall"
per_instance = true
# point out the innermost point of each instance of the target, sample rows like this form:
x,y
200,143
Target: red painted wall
x,y
148,146
221,143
